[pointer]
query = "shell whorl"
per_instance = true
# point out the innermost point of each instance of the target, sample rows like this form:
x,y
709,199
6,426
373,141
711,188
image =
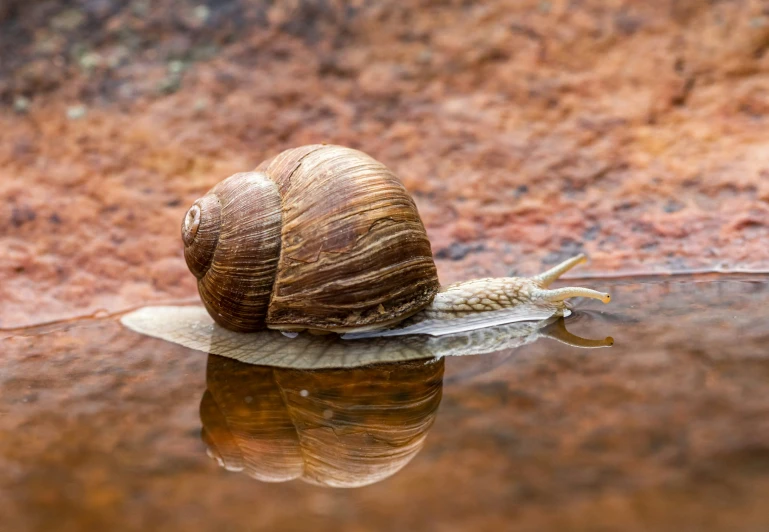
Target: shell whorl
x,y
236,265
200,233
354,250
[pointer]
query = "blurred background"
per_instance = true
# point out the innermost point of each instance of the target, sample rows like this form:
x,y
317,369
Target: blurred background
x,y
527,131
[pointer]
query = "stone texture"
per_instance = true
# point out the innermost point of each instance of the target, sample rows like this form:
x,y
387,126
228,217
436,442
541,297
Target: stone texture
x,y
668,430
526,130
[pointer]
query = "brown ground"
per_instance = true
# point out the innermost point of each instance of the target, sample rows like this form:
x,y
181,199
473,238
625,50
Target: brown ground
x,y
527,131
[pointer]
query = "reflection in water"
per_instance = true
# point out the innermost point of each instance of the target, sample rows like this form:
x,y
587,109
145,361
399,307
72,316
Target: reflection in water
x,y
345,426
331,427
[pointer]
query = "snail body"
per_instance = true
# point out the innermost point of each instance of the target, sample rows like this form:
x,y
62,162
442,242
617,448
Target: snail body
x,y
192,327
326,238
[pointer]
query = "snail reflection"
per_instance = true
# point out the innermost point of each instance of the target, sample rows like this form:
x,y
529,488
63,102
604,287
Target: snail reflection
x,y
315,415
331,427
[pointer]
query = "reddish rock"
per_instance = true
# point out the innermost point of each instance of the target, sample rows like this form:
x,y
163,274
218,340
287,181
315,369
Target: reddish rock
x,y
526,130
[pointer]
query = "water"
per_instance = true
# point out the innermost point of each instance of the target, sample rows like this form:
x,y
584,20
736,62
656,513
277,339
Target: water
x,y
668,429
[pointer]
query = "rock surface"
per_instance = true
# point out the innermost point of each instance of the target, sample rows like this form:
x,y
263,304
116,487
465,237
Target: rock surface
x,y
526,130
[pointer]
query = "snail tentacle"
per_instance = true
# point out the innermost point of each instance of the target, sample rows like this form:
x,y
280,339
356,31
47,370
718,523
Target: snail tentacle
x,y
562,294
546,278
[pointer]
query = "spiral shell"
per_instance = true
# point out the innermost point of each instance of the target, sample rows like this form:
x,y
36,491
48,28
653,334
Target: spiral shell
x,y
319,237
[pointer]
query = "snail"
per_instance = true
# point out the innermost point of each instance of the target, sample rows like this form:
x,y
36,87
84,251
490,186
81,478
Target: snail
x,y
338,428
325,238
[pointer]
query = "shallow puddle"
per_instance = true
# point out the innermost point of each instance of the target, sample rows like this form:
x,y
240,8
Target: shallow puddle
x,y
668,429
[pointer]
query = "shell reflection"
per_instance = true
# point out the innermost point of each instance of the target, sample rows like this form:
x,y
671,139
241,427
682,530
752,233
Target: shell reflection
x,y
331,427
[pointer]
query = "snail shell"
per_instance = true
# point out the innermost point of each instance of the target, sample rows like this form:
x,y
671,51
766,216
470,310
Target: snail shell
x,y
319,237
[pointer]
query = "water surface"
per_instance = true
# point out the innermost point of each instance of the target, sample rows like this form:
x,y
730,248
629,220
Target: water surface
x,y
102,428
